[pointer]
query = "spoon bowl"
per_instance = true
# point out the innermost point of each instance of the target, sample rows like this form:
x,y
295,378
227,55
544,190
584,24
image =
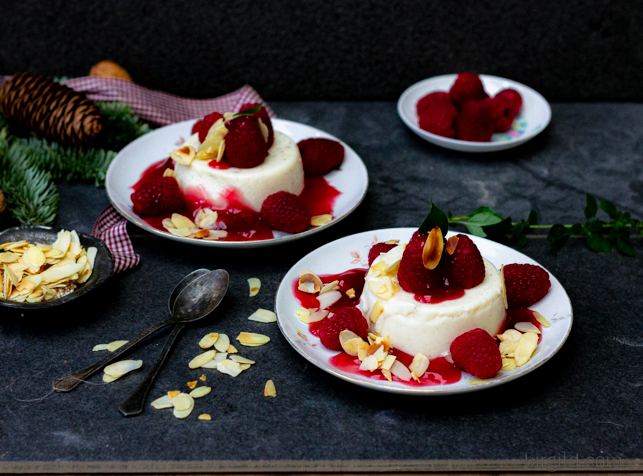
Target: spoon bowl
x,y
200,296
182,285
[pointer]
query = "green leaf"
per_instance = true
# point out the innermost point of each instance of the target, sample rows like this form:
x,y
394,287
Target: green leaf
x,y
625,247
532,219
610,209
436,217
597,242
485,218
558,236
591,208
499,229
476,230
249,112
595,226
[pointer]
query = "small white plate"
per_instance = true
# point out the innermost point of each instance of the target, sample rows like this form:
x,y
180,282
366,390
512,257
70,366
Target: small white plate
x,y
130,163
532,120
352,252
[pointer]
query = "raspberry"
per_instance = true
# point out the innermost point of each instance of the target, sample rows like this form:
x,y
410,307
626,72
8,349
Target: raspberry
x,y
467,87
158,197
467,266
526,284
349,318
378,249
265,118
285,212
504,107
436,114
477,353
412,275
474,123
203,126
245,146
320,156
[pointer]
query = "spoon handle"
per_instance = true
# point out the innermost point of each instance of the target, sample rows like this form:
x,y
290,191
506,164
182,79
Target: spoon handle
x,y
134,405
70,382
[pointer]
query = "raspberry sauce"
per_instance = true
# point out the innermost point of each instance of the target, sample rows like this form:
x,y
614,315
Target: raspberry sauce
x,y
241,222
438,294
514,316
440,371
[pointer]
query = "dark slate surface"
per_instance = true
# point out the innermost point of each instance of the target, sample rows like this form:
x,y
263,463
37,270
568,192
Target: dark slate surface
x,y
337,49
585,401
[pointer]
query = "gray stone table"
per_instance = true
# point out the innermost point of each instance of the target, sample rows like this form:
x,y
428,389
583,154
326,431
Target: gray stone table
x,y
585,401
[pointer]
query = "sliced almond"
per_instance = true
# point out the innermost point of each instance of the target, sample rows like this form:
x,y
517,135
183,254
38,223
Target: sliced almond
x,y
526,327
168,172
192,384
350,293
400,371
383,288
232,349
222,343
99,347
508,347
118,369
270,390
541,319
332,286
433,247
202,359
387,374
370,364
508,363
255,286
362,350
251,339
182,401
309,316
181,221
185,155
208,221
241,360
309,282
164,402
328,299
525,348
203,378
419,365
168,224
376,311
263,315
452,244
229,367
117,344
200,392
173,393
108,378
511,335
221,356
320,220
347,335
388,362
244,366
9,257
205,416
208,340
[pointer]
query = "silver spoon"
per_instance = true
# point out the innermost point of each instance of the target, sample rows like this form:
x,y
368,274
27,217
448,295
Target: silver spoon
x,y
70,382
197,300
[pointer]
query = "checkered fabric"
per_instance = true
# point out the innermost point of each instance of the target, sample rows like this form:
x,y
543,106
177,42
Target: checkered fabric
x,y
111,227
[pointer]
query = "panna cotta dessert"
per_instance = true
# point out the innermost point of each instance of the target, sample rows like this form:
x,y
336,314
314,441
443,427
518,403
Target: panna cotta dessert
x,y
414,326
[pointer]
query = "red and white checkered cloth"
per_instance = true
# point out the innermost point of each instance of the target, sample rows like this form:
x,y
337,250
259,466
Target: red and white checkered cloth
x,y
159,108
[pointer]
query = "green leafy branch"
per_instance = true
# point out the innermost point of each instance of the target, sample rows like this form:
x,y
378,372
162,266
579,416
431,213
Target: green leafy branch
x,y
600,235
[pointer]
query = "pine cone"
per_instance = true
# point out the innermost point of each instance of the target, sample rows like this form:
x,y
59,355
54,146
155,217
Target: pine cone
x,y
52,110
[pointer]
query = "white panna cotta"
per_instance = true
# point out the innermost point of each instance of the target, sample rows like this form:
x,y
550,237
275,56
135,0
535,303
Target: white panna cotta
x,y
412,326
281,171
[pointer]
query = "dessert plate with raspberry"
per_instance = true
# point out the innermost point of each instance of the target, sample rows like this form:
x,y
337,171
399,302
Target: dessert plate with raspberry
x,y
237,180
474,113
434,312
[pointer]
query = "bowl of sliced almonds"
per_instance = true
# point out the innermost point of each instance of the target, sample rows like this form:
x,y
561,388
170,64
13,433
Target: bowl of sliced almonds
x,y
42,267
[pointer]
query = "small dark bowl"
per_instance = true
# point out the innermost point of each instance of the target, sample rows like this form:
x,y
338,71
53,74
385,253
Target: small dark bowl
x,y
103,263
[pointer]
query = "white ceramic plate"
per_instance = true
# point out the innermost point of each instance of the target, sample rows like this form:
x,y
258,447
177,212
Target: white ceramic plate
x,y
352,252
532,120
130,163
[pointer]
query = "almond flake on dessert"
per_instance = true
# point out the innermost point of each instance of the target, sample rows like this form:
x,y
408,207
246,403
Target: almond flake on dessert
x,y
525,348
216,234
511,335
309,282
232,349
207,154
201,234
168,172
200,392
205,416
202,359
208,340
351,346
350,293
333,286
362,350
382,287
222,343
270,390
215,136
183,232
526,327
418,366
370,364
452,244
205,220
255,286
400,371
433,248
508,363
320,220
161,403
508,348
192,384
387,374
181,221
185,155
263,315
376,311
388,363
167,224
328,299
346,335
541,319
229,367
251,339
241,360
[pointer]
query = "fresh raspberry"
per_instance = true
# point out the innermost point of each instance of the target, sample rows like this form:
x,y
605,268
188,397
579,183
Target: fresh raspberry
x,y
265,118
158,197
203,126
477,353
349,318
379,249
285,212
474,123
320,156
467,87
526,284
436,114
245,146
467,266
504,107
412,275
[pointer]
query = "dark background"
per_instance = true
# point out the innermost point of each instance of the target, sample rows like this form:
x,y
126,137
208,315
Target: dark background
x,y
333,50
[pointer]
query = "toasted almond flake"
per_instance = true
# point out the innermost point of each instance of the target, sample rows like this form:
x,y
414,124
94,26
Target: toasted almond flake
x,y
270,390
208,221
400,371
433,248
387,374
251,339
181,221
222,343
347,335
173,393
161,403
168,224
526,327
320,220
255,286
362,350
205,416
308,316
229,367
202,234
350,293
202,359
63,241
541,319
112,346
452,244
241,360
525,348
9,257
232,349
168,172
508,363
192,384
185,155
376,311
309,282
328,299
419,365
508,347
263,315
510,335
351,346
382,287
200,392
388,362
118,369
208,340
203,378
370,364
332,286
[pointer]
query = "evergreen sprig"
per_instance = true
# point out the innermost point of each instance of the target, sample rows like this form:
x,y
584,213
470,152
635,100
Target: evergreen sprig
x,y
600,235
29,166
